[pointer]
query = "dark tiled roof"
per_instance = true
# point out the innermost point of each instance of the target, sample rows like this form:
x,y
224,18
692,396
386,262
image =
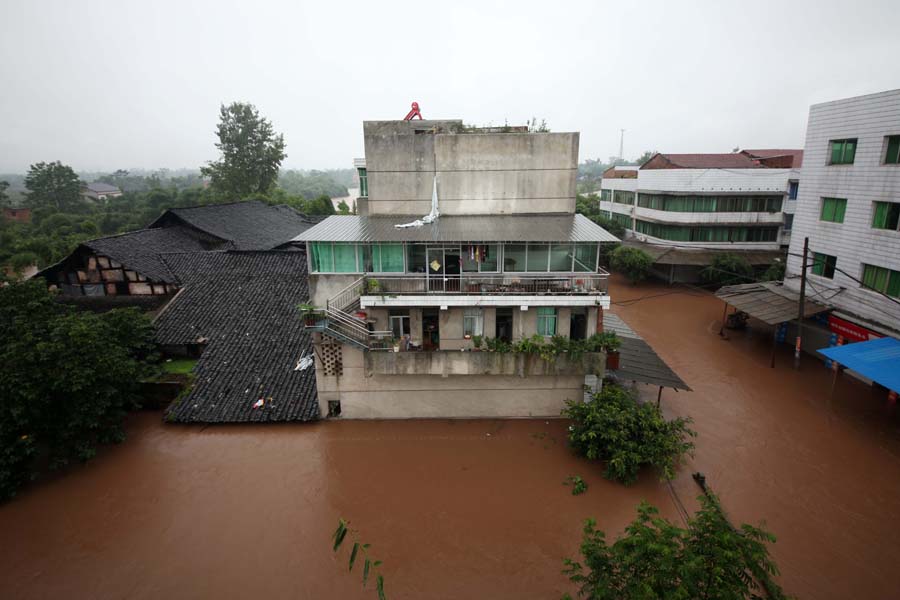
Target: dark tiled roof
x,y
140,250
250,225
245,304
101,188
734,160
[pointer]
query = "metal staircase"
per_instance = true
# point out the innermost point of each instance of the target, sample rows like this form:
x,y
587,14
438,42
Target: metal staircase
x,y
340,323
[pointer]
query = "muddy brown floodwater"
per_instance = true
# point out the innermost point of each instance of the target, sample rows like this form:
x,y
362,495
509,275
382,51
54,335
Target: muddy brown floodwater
x,y
470,509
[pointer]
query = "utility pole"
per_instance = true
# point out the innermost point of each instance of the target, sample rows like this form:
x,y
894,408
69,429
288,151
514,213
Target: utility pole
x,y
801,304
621,144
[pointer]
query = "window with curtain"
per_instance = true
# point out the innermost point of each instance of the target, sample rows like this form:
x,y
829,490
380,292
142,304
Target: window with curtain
x,y
561,257
824,265
391,258
322,257
514,257
881,279
892,154
479,258
886,215
537,257
842,152
585,258
345,258
788,222
546,320
363,182
473,321
793,190
833,210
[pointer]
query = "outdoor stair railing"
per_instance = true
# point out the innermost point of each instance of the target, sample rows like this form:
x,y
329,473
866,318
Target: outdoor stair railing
x,y
341,324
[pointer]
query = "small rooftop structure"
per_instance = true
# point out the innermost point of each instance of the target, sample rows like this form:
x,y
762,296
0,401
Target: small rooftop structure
x,y
459,228
769,301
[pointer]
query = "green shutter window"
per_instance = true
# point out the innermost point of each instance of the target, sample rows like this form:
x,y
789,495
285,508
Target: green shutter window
x,y
833,209
893,150
546,320
363,183
893,287
345,258
875,278
886,215
322,257
843,152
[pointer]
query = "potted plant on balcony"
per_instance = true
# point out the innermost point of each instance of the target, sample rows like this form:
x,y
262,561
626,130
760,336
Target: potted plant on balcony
x,y
610,343
476,342
396,343
311,314
373,287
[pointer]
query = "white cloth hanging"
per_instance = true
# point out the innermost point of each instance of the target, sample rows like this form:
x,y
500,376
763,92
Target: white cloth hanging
x,y
430,217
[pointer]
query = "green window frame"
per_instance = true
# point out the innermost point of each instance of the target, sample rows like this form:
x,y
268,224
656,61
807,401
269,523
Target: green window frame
x,y
322,257
842,152
345,258
824,265
886,215
833,210
546,320
881,279
892,153
363,182
473,321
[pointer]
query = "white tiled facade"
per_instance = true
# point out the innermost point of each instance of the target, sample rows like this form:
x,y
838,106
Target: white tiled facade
x,y
869,119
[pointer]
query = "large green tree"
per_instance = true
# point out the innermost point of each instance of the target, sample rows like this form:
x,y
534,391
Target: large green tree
x,y
68,378
53,185
251,153
4,197
658,560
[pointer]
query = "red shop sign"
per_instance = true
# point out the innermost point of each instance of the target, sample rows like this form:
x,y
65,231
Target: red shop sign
x,y
851,331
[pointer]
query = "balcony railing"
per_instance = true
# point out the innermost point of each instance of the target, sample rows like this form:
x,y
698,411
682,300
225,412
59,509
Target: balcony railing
x,y
519,284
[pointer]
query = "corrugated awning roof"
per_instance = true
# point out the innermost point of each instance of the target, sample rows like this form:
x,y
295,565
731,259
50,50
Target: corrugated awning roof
x,y
769,301
459,228
669,255
875,359
637,359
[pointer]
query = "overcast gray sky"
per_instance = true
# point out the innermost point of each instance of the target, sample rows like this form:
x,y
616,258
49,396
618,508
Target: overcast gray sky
x,y
126,84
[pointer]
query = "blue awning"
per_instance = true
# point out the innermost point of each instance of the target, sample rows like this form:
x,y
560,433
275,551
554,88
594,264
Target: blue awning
x,y
879,360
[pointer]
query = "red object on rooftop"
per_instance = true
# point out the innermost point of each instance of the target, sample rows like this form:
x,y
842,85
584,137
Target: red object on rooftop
x,y
413,113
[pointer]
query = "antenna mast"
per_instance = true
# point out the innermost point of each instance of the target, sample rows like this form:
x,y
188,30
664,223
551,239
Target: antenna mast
x,y
621,144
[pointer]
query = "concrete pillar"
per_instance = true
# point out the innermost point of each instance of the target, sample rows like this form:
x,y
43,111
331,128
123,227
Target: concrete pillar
x,y
415,325
490,322
563,321
592,319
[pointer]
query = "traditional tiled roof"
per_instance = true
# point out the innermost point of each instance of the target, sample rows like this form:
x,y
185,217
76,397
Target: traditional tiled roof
x,y
140,250
244,306
101,188
250,225
745,159
793,156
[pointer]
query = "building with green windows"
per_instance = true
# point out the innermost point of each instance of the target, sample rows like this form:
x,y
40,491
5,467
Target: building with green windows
x,y
462,236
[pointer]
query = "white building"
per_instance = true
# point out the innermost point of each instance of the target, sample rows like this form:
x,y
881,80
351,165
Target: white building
x,y
849,207
740,202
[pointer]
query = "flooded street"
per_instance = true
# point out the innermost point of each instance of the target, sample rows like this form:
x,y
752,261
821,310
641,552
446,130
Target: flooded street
x,y
466,509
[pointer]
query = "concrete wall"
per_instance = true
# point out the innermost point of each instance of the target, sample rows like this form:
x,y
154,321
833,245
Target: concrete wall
x,y
854,242
436,396
323,287
477,173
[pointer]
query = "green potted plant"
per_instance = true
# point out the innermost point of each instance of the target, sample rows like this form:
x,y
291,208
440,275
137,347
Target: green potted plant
x,y
311,314
396,344
373,287
610,343
476,342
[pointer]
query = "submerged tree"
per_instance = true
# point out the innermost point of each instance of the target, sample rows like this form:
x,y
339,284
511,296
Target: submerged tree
x,y
634,263
727,269
656,559
251,153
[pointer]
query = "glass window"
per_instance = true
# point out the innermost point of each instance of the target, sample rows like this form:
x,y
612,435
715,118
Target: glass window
x,y
886,216
546,320
538,254
788,222
882,280
833,210
399,321
391,258
479,257
345,258
514,257
793,189
322,257
892,156
843,152
415,258
490,258
473,321
363,183
824,265
585,258
561,257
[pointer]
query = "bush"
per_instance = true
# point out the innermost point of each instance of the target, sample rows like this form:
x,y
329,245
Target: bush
x,y
658,559
615,428
727,269
68,379
775,272
634,263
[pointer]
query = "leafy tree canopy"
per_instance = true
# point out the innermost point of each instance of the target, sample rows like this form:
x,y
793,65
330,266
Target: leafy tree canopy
x,y
656,559
634,263
727,269
53,185
251,153
68,378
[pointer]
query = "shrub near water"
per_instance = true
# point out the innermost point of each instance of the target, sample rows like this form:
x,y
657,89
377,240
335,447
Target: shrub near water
x,y
627,435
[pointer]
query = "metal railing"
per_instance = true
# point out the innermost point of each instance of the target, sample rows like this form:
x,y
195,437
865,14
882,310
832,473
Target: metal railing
x,y
518,284
347,298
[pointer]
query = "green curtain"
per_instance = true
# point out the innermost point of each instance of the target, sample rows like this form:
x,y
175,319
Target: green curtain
x,y
323,259
875,278
345,258
546,320
893,150
893,287
391,258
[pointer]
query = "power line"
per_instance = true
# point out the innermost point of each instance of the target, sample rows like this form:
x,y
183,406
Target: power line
x,y
863,284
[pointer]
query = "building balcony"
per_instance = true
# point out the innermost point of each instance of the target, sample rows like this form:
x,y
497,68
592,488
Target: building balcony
x,y
477,289
445,363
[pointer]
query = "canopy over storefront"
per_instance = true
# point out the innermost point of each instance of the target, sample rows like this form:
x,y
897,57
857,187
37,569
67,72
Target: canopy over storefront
x,y
878,360
768,301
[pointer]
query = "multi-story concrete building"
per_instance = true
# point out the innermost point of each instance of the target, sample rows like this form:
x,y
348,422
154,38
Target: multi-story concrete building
x,y
849,208
740,202
405,297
